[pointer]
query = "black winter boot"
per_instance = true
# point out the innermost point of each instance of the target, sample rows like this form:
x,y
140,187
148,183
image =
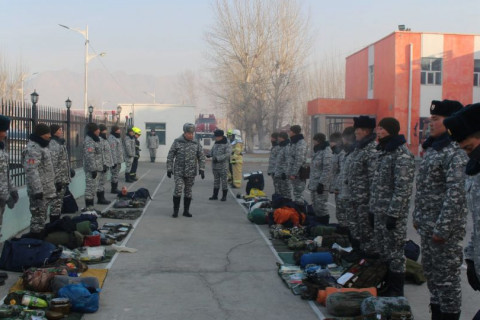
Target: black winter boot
x,y
186,207
176,206
224,195
395,282
101,198
54,218
114,188
436,313
154,159
215,194
450,316
88,204
37,235
127,177
324,219
133,177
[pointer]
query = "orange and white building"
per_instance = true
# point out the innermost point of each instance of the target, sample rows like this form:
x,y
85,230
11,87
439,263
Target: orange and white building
x,y
398,76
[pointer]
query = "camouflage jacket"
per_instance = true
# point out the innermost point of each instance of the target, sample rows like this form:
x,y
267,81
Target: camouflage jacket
x,y
184,157
320,168
92,154
60,161
272,160
152,141
129,145
337,158
343,191
220,154
6,184
281,165
440,201
116,148
361,170
37,163
472,251
297,154
391,189
107,159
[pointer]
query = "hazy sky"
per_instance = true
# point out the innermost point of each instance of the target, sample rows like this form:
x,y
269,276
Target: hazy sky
x,y
165,37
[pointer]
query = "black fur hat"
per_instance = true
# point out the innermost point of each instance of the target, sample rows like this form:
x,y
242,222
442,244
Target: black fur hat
x,y
218,133
445,108
41,129
91,127
464,122
4,123
364,122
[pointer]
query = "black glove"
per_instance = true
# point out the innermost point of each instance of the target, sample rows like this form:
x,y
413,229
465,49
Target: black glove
x,y
72,173
94,174
114,166
38,196
58,186
208,155
14,195
472,275
320,188
214,159
105,168
284,176
391,223
202,174
169,174
2,202
371,219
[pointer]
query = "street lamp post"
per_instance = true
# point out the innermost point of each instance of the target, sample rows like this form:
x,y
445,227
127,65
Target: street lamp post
x,y
119,111
131,119
90,112
68,104
105,114
34,98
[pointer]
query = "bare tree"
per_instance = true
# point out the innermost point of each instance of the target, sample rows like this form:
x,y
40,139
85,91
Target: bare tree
x,y
11,79
187,87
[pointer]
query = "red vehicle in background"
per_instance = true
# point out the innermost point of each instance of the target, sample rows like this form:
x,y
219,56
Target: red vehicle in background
x,y
205,124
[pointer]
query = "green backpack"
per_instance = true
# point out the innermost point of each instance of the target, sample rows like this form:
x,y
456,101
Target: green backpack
x,y
346,304
366,274
257,216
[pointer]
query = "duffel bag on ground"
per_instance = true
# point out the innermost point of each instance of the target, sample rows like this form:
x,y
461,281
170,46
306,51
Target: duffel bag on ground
x,y
386,306
414,272
40,279
258,216
341,239
365,274
346,304
323,294
19,254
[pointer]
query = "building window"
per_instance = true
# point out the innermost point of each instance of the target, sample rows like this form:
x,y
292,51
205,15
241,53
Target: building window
x,y
431,71
160,129
476,72
370,77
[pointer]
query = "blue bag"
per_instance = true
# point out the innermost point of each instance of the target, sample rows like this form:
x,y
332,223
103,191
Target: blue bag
x,y
19,254
318,258
81,298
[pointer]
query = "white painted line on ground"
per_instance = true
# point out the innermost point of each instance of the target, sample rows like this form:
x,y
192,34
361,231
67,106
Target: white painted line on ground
x,y
312,305
331,204
124,242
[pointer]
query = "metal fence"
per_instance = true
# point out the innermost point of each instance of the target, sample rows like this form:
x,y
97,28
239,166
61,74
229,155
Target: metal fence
x,y
24,116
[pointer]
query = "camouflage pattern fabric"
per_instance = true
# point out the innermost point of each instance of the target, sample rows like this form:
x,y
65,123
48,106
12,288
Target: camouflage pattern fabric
x,y
152,141
337,158
116,149
440,209
272,160
106,153
472,251
153,152
115,172
92,155
284,187
39,172
390,195
386,306
183,184
185,158
60,161
343,204
129,147
361,170
91,185
101,180
6,184
320,173
57,203
122,214
220,154
220,179
296,158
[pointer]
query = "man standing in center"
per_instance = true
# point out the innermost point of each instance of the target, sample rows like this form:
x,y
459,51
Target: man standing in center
x,y
184,157
220,154
152,144
117,156
296,159
107,162
92,162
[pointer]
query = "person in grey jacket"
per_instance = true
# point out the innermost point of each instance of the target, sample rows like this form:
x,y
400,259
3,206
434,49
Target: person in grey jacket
x,y
320,175
152,144
343,203
92,162
61,166
117,156
272,160
297,155
129,145
39,177
464,127
280,177
8,192
220,154
184,157
107,162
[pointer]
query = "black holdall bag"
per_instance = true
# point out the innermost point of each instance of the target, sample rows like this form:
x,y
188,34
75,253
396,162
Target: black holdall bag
x,y
304,172
69,203
22,253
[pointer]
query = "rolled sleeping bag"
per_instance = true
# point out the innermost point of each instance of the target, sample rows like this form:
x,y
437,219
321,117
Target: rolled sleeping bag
x,y
319,258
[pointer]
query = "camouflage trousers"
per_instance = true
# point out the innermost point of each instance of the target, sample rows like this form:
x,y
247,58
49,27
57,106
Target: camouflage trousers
x,y
102,178
115,172
220,178
342,209
284,187
184,184
441,266
2,210
57,203
391,243
361,228
91,185
298,186
153,152
275,184
128,164
319,203
38,209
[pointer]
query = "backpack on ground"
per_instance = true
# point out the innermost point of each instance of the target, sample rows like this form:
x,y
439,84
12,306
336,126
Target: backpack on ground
x,y
346,304
386,306
255,180
414,272
412,250
40,279
22,253
364,274
142,193
258,216
69,203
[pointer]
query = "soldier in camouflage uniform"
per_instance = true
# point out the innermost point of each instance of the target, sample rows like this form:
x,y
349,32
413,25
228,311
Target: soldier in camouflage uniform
x,y
39,177
92,162
284,187
61,167
361,171
107,162
320,176
129,145
390,195
297,155
184,157
220,154
343,204
464,127
272,160
117,156
440,213
8,192
152,144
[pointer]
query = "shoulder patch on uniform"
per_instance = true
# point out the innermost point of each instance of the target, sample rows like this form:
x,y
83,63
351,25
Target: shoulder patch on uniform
x,y
31,161
90,149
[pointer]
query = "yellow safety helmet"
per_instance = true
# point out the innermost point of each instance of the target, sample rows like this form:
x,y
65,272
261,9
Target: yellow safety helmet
x,y
137,130
229,132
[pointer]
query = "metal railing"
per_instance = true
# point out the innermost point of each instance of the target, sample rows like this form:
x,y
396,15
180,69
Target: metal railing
x,y
24,116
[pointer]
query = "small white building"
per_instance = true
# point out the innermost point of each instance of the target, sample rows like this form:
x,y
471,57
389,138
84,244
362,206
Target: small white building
x,y
166,119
